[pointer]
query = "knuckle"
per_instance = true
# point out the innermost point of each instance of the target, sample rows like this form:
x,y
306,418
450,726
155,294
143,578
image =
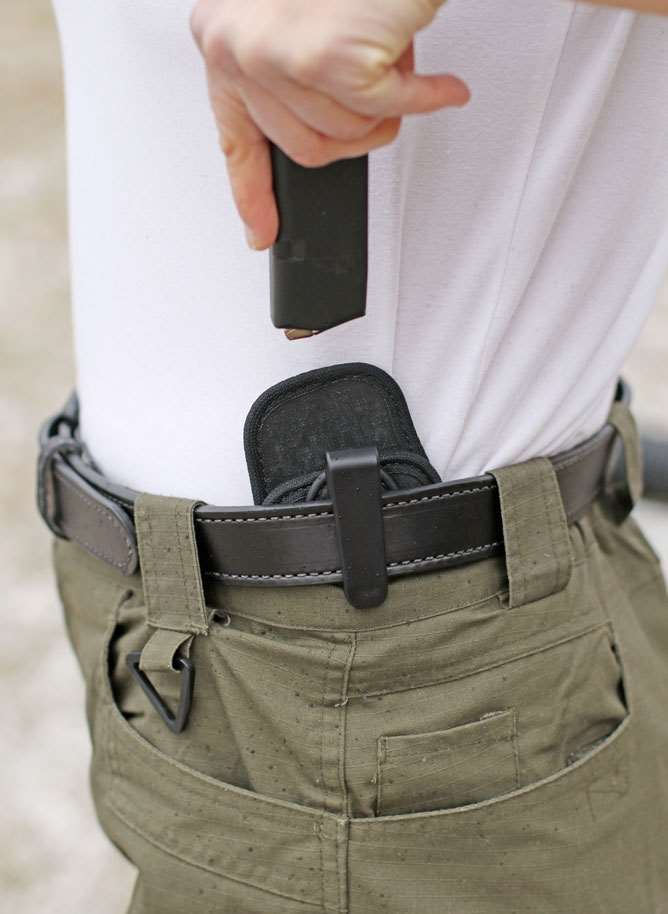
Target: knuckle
x,y
213,44
253,52
197,22
309,64
196,25
310,154
385,133
233,150
384,137
245,204
245,195
357,129
227,146
214,39
393,127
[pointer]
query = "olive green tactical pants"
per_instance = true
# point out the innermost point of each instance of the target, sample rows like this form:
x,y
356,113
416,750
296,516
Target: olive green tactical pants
x,y
493,739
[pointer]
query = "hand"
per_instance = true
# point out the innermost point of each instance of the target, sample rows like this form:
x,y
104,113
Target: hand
x,y
323,79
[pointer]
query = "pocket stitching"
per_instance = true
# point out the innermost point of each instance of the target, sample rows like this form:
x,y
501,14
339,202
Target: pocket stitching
x,y
528,789
572,636
579,767
382,742
571,772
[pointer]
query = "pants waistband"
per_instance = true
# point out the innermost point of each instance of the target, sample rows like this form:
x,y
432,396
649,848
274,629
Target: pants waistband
x,y
438,526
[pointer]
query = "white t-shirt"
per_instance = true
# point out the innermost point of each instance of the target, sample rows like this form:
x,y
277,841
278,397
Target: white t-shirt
x,y
516,245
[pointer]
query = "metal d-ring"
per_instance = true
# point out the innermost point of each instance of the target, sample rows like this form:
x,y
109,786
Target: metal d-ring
x,y
186,668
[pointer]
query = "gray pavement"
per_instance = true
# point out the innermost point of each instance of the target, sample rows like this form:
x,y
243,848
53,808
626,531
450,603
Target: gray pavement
x,y
54,859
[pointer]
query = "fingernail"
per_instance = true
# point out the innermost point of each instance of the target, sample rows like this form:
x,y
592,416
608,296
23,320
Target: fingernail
x,y
465,95
251,238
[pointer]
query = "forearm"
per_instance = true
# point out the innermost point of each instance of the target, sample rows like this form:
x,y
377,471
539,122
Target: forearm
x,y
642,6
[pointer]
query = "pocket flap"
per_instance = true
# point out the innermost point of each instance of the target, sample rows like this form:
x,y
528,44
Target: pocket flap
x,y
417,772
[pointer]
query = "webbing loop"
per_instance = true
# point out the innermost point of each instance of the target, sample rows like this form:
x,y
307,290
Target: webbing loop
x,y
539,558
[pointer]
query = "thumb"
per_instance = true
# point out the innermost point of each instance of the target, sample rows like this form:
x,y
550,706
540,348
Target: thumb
x,y
402,91
419,94
408,92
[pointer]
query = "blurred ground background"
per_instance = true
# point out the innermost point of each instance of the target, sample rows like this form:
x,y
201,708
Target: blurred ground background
x,y
53,857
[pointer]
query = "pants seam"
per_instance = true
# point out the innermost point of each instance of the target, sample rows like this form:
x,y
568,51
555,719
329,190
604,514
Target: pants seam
x,y
188,862
323,782
342,705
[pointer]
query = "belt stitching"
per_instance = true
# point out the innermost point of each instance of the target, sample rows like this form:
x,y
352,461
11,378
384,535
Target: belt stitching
x,y
240,520
319,574
392,504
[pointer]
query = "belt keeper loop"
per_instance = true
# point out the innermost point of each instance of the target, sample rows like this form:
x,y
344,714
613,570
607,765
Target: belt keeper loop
x,y
624,483
353,481
169,560
174,598
539,558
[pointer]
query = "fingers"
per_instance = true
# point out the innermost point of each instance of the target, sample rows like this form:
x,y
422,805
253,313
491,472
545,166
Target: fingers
x,y
312,130
248,163
383,89
321,87
323,114
299,141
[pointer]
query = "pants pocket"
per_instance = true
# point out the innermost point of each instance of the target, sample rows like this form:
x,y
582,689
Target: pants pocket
x,y
459,765
501,729
192,836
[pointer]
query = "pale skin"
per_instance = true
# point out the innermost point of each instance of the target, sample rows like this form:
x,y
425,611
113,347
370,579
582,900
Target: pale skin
x,y
323,79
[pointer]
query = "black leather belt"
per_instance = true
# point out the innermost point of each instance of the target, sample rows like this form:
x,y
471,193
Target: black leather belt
x,y
426,528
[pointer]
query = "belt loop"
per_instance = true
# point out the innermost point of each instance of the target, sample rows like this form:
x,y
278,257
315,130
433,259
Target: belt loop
x,y
170,564
539,559
174,598
625,485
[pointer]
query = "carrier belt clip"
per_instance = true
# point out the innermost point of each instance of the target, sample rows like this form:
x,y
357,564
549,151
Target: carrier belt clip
x,y
353,481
